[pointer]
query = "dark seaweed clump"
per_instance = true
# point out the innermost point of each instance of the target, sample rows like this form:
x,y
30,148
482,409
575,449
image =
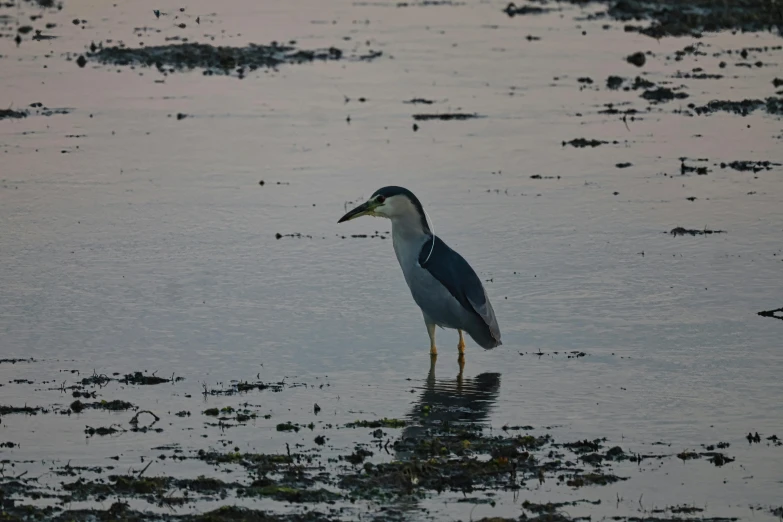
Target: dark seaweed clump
x,y
137,378
139,486
771,105
47,4
122,511
754,166
445,116
215,60
143,379
681,231
115,405
581,143
513,10
9,113
382,423
662,94
677,18
650,91
638,59
28,410
614,82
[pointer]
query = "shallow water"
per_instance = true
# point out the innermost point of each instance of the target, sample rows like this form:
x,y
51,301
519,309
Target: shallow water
x,y
133,240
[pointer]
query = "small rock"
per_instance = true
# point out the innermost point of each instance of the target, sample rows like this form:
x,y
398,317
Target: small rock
x,y
637,59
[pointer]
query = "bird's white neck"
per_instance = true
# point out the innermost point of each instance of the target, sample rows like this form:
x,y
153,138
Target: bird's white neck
x,y
408,236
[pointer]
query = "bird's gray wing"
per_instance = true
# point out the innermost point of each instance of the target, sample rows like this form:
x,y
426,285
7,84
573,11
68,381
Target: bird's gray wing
x,y
453,272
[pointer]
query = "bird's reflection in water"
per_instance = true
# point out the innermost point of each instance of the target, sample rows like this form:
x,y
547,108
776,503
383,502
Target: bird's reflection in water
x,y
456,400
451,400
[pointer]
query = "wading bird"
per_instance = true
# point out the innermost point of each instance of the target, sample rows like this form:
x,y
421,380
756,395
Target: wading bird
x,y
442,283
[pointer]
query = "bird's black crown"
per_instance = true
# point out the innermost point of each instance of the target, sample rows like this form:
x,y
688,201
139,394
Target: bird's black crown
x,y
390,191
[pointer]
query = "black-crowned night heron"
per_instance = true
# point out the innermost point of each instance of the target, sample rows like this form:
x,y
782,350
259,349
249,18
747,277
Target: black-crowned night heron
x,y
443,284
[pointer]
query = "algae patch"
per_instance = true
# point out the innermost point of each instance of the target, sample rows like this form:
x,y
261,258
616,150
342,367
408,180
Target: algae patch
x,y
220,60
382,423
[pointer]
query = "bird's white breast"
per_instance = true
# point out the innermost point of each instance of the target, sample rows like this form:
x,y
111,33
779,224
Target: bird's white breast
x,y
407,247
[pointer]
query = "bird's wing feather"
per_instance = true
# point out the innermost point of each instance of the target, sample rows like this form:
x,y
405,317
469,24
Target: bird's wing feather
x,y
453,272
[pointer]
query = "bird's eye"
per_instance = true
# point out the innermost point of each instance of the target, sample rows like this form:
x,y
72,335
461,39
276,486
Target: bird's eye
x,y
380,199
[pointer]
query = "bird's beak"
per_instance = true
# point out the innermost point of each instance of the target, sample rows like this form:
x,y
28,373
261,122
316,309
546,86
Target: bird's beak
x,y
362,210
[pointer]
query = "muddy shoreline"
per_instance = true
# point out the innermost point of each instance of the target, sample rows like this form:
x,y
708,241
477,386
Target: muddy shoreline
x,y
442,447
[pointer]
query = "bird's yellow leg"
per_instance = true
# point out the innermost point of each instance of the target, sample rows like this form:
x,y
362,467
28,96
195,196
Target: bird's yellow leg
x,y
461,345
431,374
431,332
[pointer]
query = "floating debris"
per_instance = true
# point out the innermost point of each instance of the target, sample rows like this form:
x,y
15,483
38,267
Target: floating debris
x,y
771,105
102,431
78,406
686,169
229,61
245,386
638,59
592,479
288,426
513,10
28,410
14,361
614,82
143,379
445,116
676,18
663,94
584,142
681,231
296,235
776,313
9,113
382,423
754,166
685,510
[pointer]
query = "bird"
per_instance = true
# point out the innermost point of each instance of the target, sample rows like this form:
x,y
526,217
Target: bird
x,y
442,282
